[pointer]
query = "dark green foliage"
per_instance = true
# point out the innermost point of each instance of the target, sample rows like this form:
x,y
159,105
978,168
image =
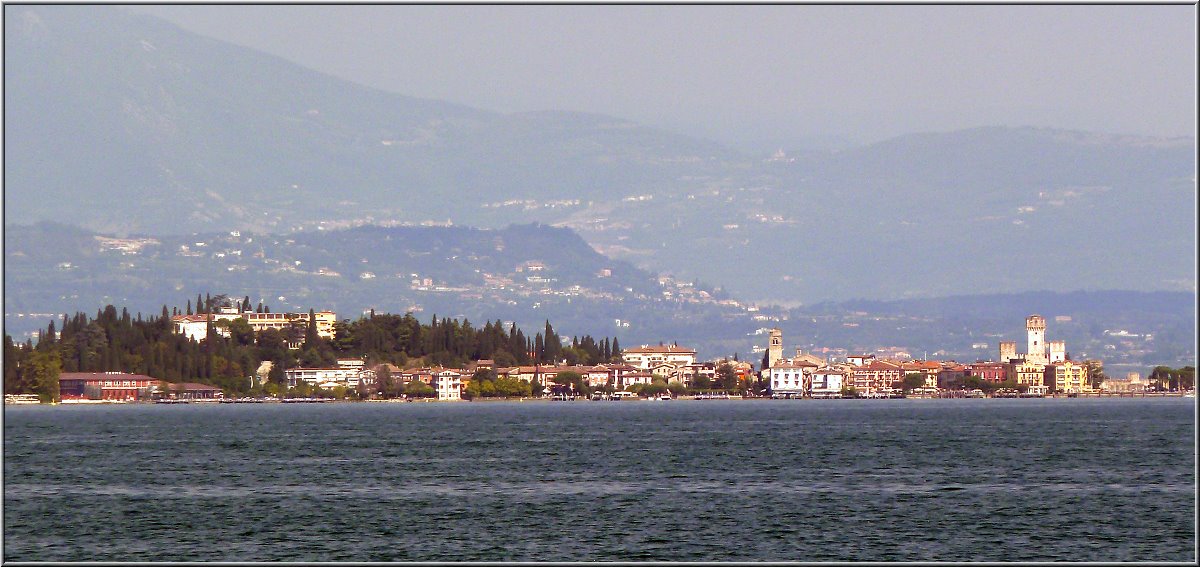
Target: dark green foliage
x,y
912,381
573,382
418,389
727,377
116,342
1165,378
484,383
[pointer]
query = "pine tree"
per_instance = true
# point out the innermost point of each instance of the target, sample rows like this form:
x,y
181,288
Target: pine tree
x,y
51,334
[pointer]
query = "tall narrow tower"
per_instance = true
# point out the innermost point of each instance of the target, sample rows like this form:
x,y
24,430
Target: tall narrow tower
x,y
1035,326
775,350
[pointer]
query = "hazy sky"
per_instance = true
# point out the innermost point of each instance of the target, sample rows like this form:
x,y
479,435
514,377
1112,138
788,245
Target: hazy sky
x,y
756,76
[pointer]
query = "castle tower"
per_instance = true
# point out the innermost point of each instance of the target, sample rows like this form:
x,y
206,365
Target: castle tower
x,y
1035,326
775,350
1058,351
1008,351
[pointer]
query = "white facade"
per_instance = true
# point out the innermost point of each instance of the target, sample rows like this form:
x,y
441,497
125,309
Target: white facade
x,y
628,379
448,385
349,377
790,379
647,357
195,327
827,383
860,359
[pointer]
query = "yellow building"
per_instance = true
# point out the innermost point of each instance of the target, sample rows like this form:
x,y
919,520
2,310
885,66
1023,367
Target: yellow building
x,y
1028,373
1068,377
263,321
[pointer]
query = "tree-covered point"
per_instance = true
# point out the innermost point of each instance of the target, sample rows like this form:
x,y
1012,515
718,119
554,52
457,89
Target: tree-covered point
x,y
119,342
1165,378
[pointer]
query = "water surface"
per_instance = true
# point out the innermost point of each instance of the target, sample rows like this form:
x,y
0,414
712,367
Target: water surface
x,y
771,480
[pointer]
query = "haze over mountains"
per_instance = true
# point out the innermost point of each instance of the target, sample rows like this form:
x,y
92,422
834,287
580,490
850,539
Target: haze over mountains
x,y
128,125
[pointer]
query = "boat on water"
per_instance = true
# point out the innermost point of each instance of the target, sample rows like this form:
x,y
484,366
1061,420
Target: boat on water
x,y
21,399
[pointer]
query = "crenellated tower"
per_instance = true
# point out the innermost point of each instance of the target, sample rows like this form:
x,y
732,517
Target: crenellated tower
x,y
1035,327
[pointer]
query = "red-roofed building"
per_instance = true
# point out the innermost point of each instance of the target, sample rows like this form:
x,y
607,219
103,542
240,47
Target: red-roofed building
x,y
990,371
876,375
105,386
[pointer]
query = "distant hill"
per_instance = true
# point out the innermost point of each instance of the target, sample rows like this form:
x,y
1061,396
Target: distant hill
x,y
987,210
190,134
126,124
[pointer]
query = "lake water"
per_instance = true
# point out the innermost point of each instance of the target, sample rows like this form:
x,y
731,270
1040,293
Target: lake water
x,y
771,480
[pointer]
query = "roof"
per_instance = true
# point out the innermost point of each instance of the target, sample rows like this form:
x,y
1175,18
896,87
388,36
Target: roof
x,y
191,386
102,376
988,363
922,365
879,365
796,364
189,318
666,349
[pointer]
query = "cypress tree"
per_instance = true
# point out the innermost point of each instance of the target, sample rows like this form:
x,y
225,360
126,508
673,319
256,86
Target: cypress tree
x,y
310,331
189,307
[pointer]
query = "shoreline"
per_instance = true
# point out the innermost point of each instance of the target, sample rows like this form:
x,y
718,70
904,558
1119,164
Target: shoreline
x,y
74,402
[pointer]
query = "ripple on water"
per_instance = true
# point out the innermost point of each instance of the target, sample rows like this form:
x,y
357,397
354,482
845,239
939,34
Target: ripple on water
x,y
947,480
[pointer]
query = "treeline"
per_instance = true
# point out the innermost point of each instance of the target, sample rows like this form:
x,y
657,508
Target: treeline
x,y
448,342
115,341
1167,379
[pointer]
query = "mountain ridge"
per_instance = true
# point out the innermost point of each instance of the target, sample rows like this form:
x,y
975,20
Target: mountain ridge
x,y
136,126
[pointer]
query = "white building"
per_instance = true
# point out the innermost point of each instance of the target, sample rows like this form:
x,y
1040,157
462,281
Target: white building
x,y
647,357
448,385
827,383
860,359
790,379
350,377
195,327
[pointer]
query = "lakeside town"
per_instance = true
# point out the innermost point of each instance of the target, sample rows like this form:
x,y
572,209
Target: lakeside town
x,y
646,372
